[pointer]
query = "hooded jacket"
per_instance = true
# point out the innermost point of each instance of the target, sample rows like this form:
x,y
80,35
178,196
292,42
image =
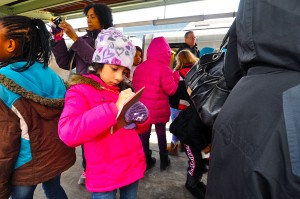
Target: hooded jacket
x,y
113,160
159,80
83,48
31,103
256,139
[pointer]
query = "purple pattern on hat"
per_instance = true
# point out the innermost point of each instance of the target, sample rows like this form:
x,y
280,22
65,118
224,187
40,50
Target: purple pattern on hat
x,y
107,54
101,38
119,51
99,50
112,47
116,61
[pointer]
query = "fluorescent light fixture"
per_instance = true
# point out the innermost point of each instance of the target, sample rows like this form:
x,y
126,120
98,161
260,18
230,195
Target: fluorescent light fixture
x,y
178,20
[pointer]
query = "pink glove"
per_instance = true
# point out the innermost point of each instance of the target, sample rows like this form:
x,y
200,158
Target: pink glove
x,y
57,34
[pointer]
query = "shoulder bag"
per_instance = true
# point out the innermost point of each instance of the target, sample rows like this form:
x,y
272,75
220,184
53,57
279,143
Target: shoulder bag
x,y
206,85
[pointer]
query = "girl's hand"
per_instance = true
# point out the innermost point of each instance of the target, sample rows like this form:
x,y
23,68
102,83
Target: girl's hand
x,y
206,150
68,29
123,97
138,112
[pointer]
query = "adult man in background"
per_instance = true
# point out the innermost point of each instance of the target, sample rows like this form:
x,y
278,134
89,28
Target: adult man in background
x,y
190,44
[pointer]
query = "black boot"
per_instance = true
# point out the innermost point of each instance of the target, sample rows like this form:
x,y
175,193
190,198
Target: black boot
x,y
201,186
164,161
195,187
150,160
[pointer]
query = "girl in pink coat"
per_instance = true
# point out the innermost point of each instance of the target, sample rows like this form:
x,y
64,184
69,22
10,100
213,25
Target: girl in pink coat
x,y
114,159
160,82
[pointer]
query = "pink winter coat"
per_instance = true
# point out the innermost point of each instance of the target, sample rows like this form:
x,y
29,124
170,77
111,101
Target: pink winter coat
x,y
160,82
112,160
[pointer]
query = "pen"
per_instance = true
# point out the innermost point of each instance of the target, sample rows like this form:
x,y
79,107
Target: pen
x,y
127,80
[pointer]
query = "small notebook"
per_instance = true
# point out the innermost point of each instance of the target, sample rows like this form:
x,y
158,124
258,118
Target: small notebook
x,y
121,114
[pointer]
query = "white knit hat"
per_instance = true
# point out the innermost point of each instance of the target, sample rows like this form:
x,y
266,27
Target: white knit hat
x,y
112,47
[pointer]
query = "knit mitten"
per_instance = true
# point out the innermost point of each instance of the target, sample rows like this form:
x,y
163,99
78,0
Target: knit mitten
x,y
138,112
130,126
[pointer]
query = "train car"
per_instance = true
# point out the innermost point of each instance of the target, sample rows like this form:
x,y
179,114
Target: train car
x,y
205,38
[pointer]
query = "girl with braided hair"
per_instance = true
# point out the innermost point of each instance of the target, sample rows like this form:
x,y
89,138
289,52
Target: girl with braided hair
x,y
31,101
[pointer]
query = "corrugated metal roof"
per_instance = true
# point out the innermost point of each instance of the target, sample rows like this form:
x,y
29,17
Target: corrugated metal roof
x,y
45,9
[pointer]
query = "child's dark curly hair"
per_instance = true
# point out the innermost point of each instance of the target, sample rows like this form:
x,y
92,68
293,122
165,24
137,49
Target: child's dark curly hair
x,y
103,13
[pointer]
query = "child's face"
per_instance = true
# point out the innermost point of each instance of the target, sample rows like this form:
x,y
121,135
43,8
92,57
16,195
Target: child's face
x,y
6,46
112,74
137,58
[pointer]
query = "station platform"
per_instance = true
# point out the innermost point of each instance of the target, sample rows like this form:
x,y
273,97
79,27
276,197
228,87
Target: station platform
x,y
156,184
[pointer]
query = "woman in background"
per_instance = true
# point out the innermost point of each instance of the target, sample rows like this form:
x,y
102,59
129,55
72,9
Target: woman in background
x,y
99,17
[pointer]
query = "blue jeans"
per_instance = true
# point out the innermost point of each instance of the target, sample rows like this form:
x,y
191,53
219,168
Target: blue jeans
x,y
126,192
174,114
52,189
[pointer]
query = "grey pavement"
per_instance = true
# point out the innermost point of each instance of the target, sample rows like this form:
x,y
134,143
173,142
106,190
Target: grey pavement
x,y
156,184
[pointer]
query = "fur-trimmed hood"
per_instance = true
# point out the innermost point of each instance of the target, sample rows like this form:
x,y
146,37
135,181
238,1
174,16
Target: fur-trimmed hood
x,y
96,82
38,83
80,79
16,88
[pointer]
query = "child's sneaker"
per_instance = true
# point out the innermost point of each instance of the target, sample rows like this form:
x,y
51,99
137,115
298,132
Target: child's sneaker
x,y
82,178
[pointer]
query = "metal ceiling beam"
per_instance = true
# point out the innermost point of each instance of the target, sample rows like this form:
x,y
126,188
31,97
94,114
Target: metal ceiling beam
x,y
35,5
33,8
4,2
5,10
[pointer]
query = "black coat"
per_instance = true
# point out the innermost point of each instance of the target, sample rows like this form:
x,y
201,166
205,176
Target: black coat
x,y
181,92
193,50
256,136
189,129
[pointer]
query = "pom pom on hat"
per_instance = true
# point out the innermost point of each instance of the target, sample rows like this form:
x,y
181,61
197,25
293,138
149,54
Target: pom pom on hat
x,y
112,47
